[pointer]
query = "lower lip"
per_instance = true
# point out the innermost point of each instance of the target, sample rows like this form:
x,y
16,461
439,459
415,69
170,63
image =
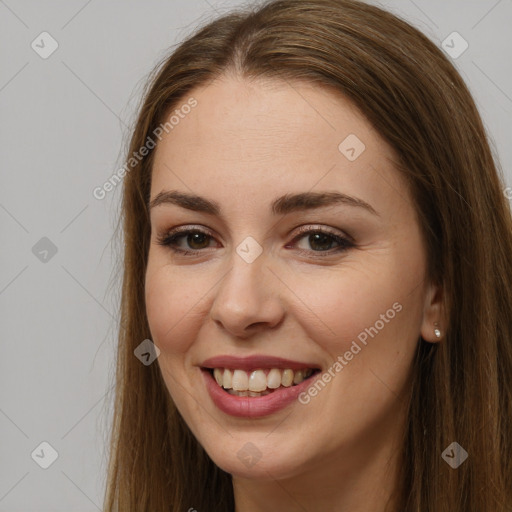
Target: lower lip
x,y
253,407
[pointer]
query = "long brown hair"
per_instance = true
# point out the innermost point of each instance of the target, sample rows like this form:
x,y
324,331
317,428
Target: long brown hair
x,y
419,104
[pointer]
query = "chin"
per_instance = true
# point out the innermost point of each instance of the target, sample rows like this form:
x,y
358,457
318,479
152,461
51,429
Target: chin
x,y
257,457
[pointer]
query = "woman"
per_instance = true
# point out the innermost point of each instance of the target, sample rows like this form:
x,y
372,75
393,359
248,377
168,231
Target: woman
x,y
319,249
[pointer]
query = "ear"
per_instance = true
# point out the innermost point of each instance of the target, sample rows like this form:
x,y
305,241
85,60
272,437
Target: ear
x,y
433,317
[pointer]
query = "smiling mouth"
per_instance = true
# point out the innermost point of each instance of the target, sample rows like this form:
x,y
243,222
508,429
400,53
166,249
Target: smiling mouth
x,y
260,382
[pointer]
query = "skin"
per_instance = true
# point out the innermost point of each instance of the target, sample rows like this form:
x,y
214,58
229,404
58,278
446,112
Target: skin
x,y
245,144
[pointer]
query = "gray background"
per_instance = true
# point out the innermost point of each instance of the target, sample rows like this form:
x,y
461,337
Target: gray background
x,y
64,120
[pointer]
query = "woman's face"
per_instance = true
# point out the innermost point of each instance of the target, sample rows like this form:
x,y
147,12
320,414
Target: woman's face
x,y
293,249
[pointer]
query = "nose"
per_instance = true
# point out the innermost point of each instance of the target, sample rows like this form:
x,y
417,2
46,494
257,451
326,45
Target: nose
x,y
248,299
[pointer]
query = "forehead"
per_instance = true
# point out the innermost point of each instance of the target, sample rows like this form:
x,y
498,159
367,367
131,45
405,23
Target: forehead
x,y
270,136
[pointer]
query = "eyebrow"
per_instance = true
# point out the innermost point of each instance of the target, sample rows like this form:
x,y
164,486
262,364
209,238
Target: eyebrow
x,y
280,206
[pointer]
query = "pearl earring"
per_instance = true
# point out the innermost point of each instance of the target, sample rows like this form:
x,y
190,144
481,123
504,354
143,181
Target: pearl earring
x,y
437,332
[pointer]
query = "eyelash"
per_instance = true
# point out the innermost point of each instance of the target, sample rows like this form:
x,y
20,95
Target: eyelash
x,y
169,238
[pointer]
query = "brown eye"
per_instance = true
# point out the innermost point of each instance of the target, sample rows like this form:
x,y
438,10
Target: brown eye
x,y
195,240
322,241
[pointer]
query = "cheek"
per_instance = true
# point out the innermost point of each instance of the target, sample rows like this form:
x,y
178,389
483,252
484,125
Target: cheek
x,y
172,304
369,328
338,306
369,314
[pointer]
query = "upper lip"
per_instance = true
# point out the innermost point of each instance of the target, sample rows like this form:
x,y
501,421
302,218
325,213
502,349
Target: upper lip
x,y
254,362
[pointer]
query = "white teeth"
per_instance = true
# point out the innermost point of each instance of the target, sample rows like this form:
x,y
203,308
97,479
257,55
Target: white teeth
x,y
258,382
287,378
274,378
240,380
217,373
227,379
